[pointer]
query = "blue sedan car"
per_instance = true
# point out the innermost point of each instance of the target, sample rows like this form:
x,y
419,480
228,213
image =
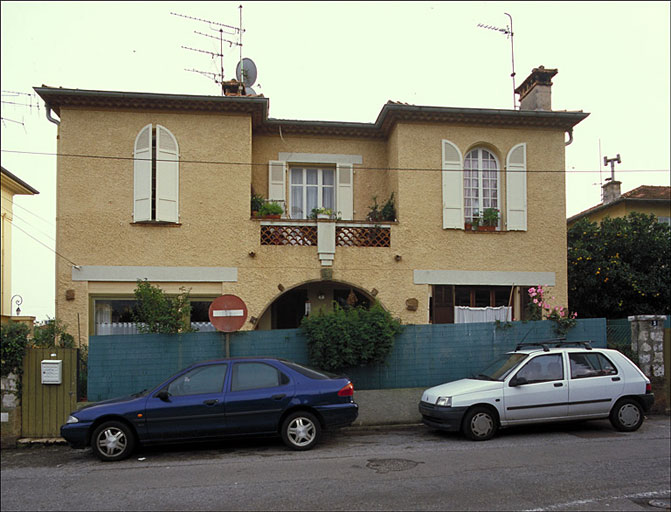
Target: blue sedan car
x,y
214,399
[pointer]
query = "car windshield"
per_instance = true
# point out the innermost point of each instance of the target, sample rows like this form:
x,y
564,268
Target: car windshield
x,y
501,367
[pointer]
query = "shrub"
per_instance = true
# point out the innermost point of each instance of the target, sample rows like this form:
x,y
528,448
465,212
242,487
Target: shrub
x,y
13,343
155,312
52,333
345,338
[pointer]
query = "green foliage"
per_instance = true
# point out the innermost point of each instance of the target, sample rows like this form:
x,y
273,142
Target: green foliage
x,y
270,208
257,202
82,373
52,333
539,307
620,267
386,212
324,211
345,338
156,312
490,217
13,343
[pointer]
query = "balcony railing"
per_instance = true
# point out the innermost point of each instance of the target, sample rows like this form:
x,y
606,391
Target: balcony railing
x,y
305,233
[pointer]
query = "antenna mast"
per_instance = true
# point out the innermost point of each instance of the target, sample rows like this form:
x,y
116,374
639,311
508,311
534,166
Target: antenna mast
x,y
508,31
217,77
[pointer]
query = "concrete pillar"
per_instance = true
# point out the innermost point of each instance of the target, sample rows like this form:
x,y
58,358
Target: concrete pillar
x,y
647,340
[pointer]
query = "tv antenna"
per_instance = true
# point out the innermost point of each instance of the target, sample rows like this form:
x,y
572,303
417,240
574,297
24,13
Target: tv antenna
x,y
222,29
508,31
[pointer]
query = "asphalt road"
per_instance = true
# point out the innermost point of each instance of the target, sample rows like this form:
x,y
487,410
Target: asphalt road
x,y
585,466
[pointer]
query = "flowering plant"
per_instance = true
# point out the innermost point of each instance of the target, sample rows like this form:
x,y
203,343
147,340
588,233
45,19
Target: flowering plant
x,y
539,308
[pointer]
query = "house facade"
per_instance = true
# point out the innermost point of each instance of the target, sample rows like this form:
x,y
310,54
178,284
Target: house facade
x,y
158,187
647,199
10,186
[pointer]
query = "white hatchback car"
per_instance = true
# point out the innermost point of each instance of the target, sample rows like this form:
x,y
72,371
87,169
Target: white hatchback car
x,y
542,382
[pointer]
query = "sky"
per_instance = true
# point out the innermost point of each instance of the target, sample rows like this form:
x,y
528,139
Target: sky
x,y
337,61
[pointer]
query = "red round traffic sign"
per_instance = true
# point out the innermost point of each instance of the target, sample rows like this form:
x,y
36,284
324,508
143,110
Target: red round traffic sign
x,y
228,313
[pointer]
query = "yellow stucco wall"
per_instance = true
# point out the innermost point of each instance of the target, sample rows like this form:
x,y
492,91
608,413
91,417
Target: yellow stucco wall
x,y
95,209
8,189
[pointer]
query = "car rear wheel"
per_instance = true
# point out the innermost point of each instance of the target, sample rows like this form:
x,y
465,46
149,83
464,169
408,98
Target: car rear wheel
x,y
479,424
301,431
112,441
626,415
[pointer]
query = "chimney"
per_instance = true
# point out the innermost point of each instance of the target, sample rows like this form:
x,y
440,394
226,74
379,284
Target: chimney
x,y
610,191
535,90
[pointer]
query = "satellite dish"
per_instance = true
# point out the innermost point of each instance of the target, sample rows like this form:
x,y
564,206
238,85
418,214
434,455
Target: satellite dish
x,y
247,67
249,91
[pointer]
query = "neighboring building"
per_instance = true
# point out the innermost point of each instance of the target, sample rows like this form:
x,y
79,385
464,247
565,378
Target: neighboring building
x,y
644,199
164,194
11,186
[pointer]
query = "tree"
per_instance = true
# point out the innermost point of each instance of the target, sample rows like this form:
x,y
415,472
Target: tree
x,y
620,267
156,312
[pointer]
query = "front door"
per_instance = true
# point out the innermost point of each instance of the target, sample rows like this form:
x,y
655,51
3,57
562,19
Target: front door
x,y
194,407
542,392
258,396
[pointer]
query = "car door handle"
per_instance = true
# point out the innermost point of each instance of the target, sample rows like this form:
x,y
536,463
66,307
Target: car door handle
x,y
615,379
211,402
558,384
279,396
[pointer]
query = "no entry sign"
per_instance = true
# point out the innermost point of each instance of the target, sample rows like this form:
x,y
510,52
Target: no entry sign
x,y
228,313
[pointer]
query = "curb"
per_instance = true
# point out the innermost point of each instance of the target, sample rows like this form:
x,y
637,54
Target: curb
x,y
42,441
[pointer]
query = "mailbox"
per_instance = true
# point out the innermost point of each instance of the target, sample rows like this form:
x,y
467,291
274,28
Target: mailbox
x,y
52,371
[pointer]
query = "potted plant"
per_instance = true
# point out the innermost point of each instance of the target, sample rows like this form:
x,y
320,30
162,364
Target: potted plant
x,y
385,212
270,210
490,219
474,223
322,213
256,203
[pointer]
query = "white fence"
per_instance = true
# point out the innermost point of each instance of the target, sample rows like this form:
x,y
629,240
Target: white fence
x,y
123,328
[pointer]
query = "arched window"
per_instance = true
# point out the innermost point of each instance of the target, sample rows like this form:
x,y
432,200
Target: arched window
x,y
156,175
481,183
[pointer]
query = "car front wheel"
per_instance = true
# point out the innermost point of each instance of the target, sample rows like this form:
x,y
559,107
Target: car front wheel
x,y
626,415
301,431
112,441
479,424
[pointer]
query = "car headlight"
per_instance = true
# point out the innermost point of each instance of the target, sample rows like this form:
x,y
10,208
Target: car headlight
x,y
72,419
444,401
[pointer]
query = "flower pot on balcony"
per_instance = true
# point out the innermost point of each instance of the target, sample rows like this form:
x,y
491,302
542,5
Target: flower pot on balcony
x,y
486,228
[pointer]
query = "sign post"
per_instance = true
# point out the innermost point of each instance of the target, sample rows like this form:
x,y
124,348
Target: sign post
x,y
228,314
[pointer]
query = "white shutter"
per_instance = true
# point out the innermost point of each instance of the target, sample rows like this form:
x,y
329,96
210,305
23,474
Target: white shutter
x,y
142,175
277,183
516,188
345,192
167,176
453,187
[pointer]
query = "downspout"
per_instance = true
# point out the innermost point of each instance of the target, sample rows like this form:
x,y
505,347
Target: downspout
x,y
570,137
50,117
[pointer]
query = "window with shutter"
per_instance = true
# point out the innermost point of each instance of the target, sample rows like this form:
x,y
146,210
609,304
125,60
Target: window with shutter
x,y
481,183
345,193
516,188
453,187
156,176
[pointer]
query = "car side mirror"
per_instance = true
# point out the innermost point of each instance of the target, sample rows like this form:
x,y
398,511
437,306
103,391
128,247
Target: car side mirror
x,y
163,395
518,381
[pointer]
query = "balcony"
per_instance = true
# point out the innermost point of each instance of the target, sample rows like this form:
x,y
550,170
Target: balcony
x,y
325,234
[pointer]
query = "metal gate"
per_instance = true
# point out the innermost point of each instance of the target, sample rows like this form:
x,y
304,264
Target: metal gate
x,y
45,407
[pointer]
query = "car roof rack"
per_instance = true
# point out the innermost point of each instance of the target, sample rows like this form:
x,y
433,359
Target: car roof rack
x,y
556,342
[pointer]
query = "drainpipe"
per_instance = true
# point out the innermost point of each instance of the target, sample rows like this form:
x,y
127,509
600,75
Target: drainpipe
x,y
570,137
50,117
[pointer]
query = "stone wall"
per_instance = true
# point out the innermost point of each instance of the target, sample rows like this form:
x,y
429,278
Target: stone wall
x,y
10,417
647,340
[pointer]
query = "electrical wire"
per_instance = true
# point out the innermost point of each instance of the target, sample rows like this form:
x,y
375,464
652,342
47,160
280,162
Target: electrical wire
x,y
15,216
219,162
45,245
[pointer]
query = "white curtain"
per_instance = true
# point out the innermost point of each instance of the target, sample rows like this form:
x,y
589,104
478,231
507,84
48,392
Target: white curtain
x,y
109,328
468,315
